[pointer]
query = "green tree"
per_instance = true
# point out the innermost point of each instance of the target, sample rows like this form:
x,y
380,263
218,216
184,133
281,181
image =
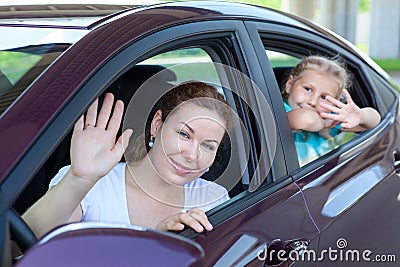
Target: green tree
x,y
364,5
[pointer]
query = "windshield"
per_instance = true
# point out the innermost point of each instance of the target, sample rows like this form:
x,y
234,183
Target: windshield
x,y
26,54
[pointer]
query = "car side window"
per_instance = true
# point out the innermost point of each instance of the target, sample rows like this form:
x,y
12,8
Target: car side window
x,y
200,64
166,70
282,65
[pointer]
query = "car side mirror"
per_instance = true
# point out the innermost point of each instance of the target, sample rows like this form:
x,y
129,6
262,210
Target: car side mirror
x,y
99,244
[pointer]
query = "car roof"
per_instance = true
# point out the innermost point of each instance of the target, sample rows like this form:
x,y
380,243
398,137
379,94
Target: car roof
x,y
90,16
87,14
187,11
203,10
219,9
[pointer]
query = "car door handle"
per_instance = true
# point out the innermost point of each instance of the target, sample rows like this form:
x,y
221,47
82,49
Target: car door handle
x,y
299,246
279,251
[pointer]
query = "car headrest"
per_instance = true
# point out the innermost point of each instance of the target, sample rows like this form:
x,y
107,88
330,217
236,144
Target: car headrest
x,y
281,75
125,87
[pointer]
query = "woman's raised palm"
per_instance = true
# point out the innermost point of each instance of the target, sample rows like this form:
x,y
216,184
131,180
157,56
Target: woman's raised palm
x,y
94,150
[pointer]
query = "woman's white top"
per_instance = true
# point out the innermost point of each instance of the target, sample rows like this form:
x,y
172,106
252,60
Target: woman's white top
x,y
106,201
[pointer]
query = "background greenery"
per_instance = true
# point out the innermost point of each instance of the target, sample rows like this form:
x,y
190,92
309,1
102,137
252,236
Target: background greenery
x,y
364,5
11,61
276,4
389,65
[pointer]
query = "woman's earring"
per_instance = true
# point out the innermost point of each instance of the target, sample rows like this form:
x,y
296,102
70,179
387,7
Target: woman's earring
x,y
151,141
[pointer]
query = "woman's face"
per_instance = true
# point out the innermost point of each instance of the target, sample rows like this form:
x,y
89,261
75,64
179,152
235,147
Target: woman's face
x,y
186,142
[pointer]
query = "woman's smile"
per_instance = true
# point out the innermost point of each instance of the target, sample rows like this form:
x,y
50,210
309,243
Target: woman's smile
x,y
181,169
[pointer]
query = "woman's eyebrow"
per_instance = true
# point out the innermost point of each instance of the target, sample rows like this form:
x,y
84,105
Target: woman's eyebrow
x,y
192,131
187,125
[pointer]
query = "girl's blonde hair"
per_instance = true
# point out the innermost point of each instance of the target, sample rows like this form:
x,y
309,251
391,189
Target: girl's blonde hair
x,y
333,67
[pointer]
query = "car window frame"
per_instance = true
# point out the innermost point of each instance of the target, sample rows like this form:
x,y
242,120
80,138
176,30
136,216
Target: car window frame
x,y
326,47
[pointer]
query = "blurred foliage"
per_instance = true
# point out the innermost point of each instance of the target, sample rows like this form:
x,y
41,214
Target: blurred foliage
x,y
15,64
364,5
388,64
275,4
343,138
363,47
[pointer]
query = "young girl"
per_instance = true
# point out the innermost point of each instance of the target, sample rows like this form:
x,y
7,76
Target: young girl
x,y
315,113
160,181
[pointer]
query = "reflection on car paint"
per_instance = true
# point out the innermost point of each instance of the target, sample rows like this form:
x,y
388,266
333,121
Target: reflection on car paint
x,y
348,193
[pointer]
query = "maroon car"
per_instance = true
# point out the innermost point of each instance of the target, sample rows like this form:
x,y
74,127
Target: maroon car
x,y
340,208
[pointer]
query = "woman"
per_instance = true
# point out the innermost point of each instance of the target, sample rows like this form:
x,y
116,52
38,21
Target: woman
x,y
157,183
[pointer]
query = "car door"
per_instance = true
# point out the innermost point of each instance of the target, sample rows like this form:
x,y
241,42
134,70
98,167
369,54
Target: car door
x,y
352,191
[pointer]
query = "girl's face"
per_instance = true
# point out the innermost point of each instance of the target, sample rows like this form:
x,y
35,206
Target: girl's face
x,y
186,142
310,90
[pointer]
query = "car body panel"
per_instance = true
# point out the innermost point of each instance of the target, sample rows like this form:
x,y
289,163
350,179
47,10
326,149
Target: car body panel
x,y
324,201
341,194
238,241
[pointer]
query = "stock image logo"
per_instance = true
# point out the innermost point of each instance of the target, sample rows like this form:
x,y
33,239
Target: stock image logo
x,y
296,251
